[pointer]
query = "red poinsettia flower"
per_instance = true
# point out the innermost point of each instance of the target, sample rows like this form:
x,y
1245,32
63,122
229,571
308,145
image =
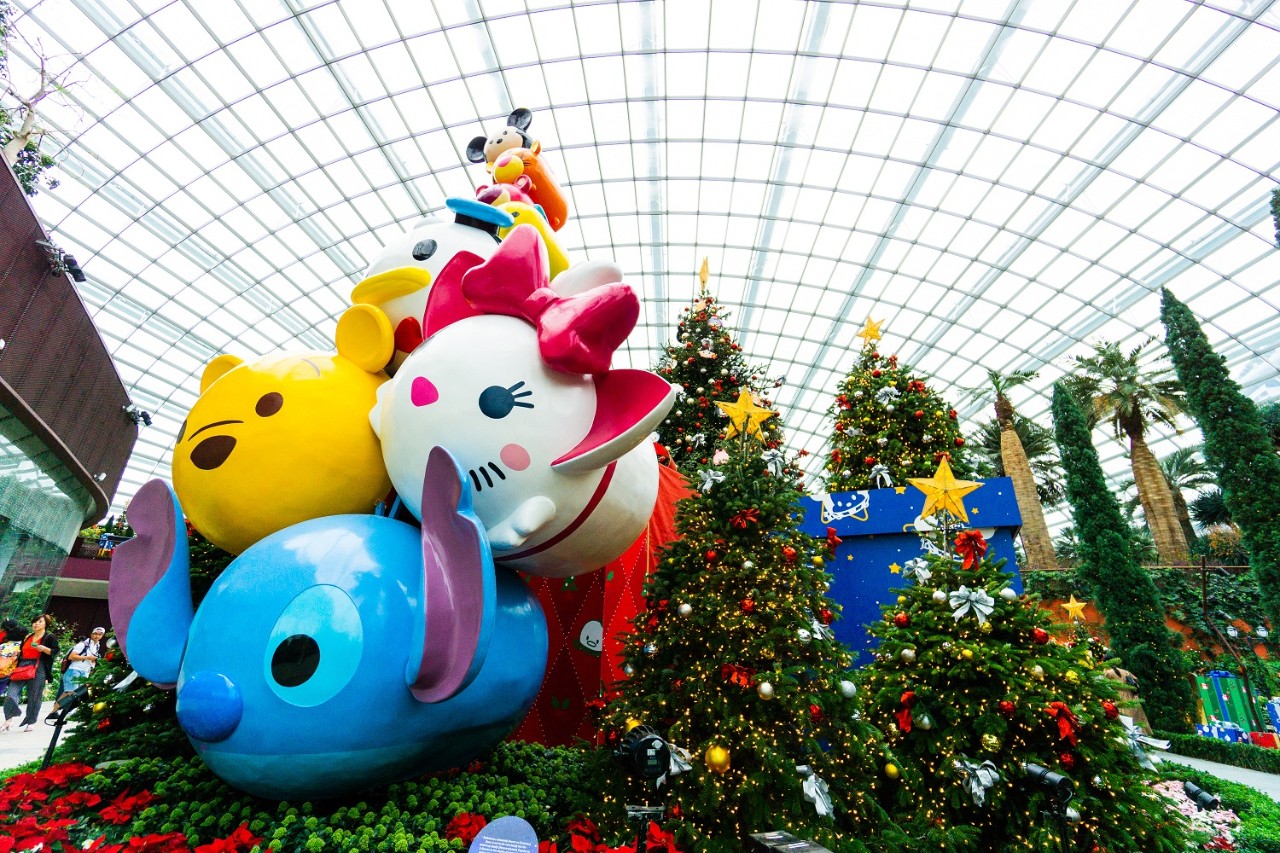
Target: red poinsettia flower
x,y
465,826
658,840
125,806
29,833
72,803
583,825
241,840
547,847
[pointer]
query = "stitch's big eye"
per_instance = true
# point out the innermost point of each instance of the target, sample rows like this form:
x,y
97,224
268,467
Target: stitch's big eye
x,y
424,249
497,402
315,646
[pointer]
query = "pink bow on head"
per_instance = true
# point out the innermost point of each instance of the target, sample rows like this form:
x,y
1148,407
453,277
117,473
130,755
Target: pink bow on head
x,y
576,334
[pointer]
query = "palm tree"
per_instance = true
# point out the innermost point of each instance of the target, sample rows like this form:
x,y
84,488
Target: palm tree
x,y
1210,510
1113,386
1037,443
1183,469
1013,457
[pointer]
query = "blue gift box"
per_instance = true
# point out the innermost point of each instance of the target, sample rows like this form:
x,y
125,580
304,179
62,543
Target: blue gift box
x,y
880,533
1223,731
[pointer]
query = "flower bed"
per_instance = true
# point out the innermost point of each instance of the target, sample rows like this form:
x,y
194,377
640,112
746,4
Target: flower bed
x,y
1259,827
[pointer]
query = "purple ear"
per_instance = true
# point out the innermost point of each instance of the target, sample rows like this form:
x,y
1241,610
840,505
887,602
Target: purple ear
x,y
459,589
629,405
149,592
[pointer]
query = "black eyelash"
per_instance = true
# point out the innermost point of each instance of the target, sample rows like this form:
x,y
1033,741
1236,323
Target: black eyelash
x,y
517,397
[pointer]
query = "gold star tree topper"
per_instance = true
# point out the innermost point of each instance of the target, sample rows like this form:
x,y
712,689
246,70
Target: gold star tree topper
x,y
871,331
745,416
1075,609
943,491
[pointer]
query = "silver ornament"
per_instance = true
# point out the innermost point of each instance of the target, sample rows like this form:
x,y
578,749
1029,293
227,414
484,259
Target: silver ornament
x,y
651,649
890,408
846,473
685,609
628,669
924,721
939,596
926,438
946,645
765,690
702,390
748,565
857,395
1008,594
848,689
882,441
908,655
724,371
803,635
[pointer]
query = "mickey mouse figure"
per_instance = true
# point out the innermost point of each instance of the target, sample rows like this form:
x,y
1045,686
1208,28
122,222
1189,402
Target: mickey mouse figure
x,y
487,150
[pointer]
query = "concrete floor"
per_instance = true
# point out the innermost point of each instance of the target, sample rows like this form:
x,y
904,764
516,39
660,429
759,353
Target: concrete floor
x,y
18,747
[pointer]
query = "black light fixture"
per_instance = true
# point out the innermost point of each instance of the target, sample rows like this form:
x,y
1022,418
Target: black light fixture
x,y
136,415
1204,801
644,752
61,262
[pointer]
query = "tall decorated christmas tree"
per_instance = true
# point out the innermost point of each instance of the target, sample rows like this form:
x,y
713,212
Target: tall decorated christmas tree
x,y
1009,741
734,665
889,424
706,366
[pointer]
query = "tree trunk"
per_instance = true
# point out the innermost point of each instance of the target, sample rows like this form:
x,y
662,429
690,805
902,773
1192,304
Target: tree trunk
x,y
1035,533
1184,514
1157,503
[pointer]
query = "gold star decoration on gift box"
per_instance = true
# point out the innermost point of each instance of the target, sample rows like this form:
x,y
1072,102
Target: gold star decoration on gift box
x,y
943,491
871,331
1075,609
745,416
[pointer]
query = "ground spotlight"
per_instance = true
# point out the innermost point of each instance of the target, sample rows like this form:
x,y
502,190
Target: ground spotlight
x,y
1202,798
644,752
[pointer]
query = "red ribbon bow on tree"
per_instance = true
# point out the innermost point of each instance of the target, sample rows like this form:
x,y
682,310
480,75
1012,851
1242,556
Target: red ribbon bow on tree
x,y
1068,725
745,517
971,546
740,676
832,539
907,701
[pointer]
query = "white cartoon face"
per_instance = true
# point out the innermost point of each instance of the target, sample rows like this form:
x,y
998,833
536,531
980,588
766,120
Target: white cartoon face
x,y
480,388
591,637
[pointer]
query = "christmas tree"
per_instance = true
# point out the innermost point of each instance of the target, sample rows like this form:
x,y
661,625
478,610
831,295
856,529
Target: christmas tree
x,y
1009,741
889,425
734,664
706,365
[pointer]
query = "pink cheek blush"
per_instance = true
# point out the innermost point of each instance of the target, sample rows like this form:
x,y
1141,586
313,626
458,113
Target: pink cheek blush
x,y
422,392
514,457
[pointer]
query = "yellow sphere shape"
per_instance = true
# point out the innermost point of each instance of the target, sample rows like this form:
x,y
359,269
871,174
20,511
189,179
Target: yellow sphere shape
x,y
717,759
891,770
276,441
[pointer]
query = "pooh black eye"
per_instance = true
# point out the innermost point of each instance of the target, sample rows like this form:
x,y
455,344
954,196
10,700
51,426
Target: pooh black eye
x,y
424,249
269,404
497,402
295,660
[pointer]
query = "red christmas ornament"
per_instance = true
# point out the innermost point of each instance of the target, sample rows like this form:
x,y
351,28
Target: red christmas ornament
x,y
826,616
678,684
959,442
1109,708
918,413
876,373
875,354
747,605
815,713
789,554
951,413
676,811
1068,760
711,556
840,426
1006,709
870,460
1040,636
902,620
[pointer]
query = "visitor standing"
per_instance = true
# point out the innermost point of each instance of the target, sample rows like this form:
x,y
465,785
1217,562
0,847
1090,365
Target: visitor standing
x,y
34,670
81,660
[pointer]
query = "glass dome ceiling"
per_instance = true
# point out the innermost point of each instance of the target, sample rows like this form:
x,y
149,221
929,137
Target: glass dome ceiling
x,y
1003,182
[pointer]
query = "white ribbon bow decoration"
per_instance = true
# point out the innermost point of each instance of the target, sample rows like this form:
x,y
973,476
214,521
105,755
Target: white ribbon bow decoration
x,y
710,478
1137,738
965,600
773,458
822,632
680,759
815,790
917,568
887,395
977,778
697,439
880,475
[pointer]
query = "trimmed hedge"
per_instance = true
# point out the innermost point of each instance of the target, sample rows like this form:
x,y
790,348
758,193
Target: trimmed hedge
x,y
1259,830
1236,754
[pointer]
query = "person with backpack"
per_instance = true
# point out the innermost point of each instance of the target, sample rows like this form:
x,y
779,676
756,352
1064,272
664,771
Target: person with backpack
x,y
10,651
80,661
34,669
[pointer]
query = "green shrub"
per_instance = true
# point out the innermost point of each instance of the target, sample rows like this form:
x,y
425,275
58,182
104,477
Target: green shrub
x,y
1236,754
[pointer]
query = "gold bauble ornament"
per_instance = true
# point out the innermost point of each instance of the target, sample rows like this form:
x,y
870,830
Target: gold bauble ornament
x,y
991,743
819,562
1071,676
99,707
1037,671
985,627
717,759
967,654
891,770
632,722
902,599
